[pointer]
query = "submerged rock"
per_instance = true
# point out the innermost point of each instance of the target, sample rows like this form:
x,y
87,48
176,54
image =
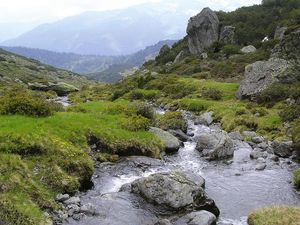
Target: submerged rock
x,y
215,145
171,143
203,31
197,218
173,191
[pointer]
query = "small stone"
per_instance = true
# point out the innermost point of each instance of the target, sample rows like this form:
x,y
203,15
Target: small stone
x,y
62,197
275,158
163,222
88,209
260,167
72,200
263,145
257,140
78,216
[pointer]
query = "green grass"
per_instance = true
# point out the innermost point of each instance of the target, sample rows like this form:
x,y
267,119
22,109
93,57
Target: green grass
x,y
276,215
40,157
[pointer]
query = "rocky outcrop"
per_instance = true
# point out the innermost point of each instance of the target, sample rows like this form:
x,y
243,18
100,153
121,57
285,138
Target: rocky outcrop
x,y
203,31
260,75
227,35
171,143
60,88
175,192
215,145
279,33
283,66
248,49
181,55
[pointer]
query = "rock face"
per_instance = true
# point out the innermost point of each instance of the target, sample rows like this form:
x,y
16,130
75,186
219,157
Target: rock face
x,y
173,191
248,49
203,30
181,55
197,218
215,145
260,75
279,33
60,88
283,66
227,35
171,143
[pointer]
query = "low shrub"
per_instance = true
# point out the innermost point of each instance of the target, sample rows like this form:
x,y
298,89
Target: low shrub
x,y
136,123
247,121
240,111
229,50
211,93
143,109
25,103
290,113
276,215
140,94
173,121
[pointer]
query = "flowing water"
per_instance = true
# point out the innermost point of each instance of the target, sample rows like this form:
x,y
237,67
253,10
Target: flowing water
x,y
236,186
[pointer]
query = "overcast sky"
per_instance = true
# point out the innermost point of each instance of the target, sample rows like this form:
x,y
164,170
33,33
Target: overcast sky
x,y
41,11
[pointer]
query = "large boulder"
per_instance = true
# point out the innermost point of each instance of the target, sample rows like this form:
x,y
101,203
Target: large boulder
x,y
172,144
227,35
60,88
203,31
260,75
283,149
215,145
204,119
282,67
248,49
174,191
197,218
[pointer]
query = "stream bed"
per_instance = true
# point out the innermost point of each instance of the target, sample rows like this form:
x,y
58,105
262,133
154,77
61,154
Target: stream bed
x,y
235,185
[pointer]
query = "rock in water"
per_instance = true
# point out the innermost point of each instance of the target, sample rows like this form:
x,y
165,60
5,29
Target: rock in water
x,y
173,191
260,75
215,145
197,218
227,35
171,143
203,31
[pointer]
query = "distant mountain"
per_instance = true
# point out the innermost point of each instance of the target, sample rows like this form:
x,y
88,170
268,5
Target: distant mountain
x,y
102,68
15,69
117,32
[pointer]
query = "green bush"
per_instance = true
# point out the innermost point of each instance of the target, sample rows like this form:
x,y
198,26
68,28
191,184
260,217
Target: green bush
x,y
140,94
229,50
290,113
24,103
136,123
173,121
143,109
211,93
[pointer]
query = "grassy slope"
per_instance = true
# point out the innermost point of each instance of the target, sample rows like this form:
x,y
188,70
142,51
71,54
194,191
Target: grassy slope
x,y
276,215
40,157
14,67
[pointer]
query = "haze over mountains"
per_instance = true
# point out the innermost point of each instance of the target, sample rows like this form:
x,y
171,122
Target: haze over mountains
x,y
116,32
